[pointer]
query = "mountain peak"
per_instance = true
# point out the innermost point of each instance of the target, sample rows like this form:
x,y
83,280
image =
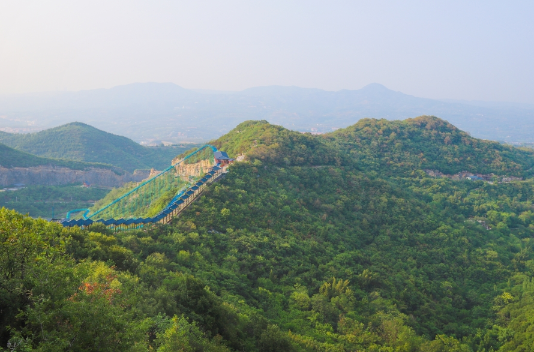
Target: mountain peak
x,y
76,123
376,87
149,86
81,142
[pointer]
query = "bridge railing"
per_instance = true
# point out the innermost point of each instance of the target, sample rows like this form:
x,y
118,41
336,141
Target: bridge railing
x,y
174,208
126,203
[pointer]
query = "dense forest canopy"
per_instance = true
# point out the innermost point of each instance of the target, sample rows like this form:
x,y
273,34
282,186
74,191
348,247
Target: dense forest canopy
x,y
337,242
427,142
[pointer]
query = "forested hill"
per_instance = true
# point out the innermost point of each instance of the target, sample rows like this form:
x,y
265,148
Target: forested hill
x,y
393,148
81,142
10,157
427,142
301,247
278,145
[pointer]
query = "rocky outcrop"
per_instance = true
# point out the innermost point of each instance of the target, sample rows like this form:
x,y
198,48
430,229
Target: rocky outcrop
x,y
195,169
54,176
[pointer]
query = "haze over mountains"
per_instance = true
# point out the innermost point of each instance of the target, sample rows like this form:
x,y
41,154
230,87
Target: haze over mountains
x,y
155,112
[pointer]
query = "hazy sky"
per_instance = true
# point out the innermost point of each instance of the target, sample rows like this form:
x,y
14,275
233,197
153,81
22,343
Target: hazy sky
x,y
471,49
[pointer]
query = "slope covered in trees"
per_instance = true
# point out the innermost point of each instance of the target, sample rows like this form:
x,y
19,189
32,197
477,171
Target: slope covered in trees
x,y
427,142
302,247
81,142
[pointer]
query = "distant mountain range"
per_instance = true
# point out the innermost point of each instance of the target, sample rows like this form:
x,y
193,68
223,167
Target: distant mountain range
x,y
83,143
155,112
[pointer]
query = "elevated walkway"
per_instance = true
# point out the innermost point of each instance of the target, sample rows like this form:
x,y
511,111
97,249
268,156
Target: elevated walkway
x,y
175,207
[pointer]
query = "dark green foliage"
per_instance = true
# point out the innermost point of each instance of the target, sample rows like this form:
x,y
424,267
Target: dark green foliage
x,y
282,230
99,244
81,142
160,203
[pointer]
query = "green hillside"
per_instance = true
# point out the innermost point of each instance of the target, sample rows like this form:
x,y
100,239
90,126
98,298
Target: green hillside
x,y
306,246
278,145
427,142
10,157
81,142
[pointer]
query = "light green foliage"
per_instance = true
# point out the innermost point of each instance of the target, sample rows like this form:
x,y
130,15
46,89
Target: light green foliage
x,y
161,202
113,194
97,316
146,201
187,337
33,264
275,144
152,196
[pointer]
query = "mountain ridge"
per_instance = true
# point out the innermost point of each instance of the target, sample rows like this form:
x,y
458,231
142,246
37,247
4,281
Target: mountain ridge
x,y
82,142
389,147
428,142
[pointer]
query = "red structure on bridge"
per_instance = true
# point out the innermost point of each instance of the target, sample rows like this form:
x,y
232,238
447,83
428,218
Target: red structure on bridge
x,y
222,158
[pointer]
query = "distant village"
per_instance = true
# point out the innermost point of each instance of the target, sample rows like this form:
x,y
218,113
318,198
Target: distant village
x,y
14,187
466,175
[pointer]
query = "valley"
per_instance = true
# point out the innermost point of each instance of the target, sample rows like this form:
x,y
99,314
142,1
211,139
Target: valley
x,y
50,202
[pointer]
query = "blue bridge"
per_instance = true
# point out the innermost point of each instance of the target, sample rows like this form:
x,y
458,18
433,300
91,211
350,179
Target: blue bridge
x,y
148,202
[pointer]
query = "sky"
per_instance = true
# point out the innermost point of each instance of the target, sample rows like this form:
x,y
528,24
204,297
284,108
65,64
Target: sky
x,y
471,50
